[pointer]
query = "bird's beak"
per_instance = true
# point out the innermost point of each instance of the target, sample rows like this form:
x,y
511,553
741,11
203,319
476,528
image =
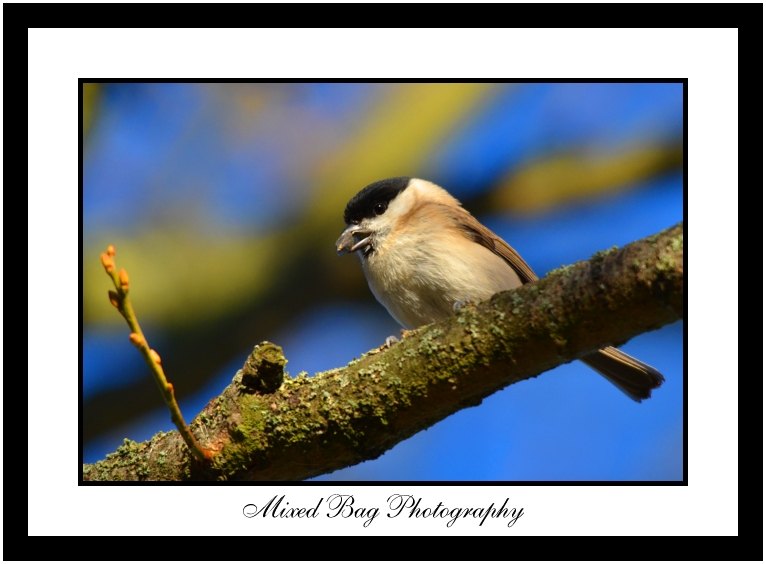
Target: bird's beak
x,y
348,241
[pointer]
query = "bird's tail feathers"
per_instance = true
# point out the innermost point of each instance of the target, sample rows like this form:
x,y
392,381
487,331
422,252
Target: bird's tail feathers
x,y
633,377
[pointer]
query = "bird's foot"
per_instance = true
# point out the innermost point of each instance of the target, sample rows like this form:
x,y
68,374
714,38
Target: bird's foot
x,y
461,304
391,341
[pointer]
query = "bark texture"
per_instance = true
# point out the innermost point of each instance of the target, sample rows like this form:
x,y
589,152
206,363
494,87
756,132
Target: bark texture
x,y
311,425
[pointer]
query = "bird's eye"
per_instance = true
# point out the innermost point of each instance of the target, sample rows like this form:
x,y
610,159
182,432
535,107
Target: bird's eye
x,y
379,208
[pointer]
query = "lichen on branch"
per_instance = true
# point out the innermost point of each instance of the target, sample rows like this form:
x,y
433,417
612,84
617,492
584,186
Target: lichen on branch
x,y
312,425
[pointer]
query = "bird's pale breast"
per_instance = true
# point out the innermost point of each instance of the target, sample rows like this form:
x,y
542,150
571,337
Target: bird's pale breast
x,y
419,278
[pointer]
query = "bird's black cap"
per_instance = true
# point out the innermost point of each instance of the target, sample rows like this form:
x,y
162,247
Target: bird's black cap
x,y
362,205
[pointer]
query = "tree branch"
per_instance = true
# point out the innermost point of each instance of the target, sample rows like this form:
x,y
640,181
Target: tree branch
x,y
310,426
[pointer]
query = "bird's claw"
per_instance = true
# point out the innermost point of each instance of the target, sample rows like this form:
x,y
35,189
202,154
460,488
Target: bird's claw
x,y
391,341
460,304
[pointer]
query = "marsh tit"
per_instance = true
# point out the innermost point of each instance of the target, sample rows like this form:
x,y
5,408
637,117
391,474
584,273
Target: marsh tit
x,y
423,254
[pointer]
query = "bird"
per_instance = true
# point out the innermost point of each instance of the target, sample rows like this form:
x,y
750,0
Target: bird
x,y
424,256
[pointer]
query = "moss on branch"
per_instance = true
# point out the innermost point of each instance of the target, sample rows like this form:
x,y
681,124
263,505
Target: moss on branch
x,y
312,425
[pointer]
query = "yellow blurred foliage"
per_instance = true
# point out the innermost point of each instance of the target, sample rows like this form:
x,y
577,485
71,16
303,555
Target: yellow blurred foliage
x,y
563,178
90,95
179,276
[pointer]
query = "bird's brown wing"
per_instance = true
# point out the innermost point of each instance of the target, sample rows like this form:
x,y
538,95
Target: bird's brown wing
x,y
480,234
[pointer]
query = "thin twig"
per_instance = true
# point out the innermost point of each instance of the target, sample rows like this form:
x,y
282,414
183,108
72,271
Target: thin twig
x,y
120,300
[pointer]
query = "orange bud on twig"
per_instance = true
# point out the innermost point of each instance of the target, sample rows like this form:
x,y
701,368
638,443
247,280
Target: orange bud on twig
x,y
137,339
124,281
107,262
121,301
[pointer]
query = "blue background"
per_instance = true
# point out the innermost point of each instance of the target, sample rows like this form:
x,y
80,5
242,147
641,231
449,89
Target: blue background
x,y
224,202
